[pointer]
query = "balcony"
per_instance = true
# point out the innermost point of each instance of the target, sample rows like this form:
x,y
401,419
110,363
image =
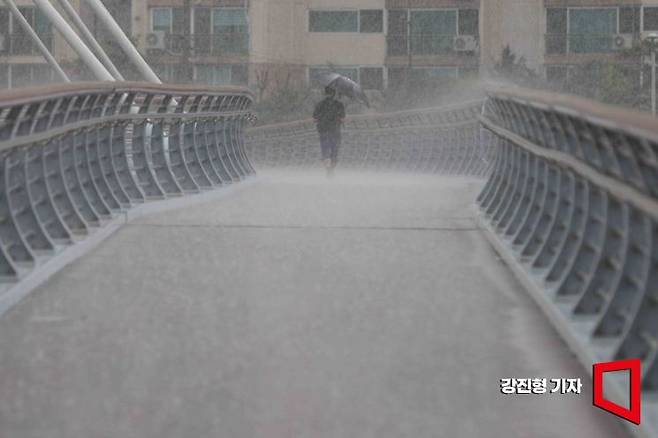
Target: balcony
x,y
22,45
565,44
427,44
218,44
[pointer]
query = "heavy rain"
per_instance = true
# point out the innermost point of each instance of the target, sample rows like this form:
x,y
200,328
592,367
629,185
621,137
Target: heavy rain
x,y
328,218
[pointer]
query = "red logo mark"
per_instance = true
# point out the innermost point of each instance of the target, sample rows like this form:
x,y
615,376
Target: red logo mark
x,y
631,414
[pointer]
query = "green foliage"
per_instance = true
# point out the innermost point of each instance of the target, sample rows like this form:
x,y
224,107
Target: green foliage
x,y
513,68
285,104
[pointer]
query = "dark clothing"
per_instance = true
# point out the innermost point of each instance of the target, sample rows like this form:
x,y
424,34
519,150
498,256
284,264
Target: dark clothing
x,y
329,144
328,113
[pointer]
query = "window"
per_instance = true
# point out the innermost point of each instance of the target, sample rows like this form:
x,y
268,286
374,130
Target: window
x,y
469,22
629,20
396,76
4,76
556,74
556,31
218,75
213,75
4,34
24,75
396,41
239,74
17,41
364,21
371,21
173,73
333,21
433,31
650,18
591,30
371,78
432,73
161,20
230,31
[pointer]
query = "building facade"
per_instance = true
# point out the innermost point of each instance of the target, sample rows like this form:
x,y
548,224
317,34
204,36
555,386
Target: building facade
x,y
272,43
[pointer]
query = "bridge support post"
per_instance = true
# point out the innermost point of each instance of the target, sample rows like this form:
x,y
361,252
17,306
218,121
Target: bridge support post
x,y
35,38
90,60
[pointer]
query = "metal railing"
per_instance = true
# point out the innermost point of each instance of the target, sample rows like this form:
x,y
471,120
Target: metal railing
x,y
433,140
572,205
74,156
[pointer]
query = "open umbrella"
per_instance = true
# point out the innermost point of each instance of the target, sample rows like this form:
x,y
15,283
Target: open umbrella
x,y
346,87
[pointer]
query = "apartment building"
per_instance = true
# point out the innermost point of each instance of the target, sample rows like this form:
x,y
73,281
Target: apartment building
x,y
559,38
269,43
374,42
607,32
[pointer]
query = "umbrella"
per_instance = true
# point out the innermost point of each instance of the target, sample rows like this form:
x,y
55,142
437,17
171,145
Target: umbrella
x,y
346,87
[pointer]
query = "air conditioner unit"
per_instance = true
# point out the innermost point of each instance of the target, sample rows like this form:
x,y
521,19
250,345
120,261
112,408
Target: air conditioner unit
x,y
622,41
156,40
465,43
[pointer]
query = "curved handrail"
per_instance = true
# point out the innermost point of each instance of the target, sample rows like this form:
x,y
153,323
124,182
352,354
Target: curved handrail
x,y
572,206
75,156
20,96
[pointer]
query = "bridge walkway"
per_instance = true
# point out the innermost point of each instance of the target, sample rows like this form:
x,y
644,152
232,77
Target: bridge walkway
x,y
366,306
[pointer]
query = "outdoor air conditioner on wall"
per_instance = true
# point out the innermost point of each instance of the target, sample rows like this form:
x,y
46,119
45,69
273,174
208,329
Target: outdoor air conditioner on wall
x,y
465,43
622,41
156,40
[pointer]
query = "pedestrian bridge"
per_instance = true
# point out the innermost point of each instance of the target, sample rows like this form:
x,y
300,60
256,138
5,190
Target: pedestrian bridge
x,y
170,272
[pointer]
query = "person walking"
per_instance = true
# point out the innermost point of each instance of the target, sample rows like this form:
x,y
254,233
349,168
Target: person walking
x,y
329,115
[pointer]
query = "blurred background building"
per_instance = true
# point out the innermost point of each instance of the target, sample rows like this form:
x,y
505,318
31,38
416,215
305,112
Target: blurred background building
x,y
269,44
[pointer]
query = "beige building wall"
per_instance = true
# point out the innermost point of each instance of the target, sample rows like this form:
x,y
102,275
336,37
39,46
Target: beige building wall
x,y
517,23
275,27
344,48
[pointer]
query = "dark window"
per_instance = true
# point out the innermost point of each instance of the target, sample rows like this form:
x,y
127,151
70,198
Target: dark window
x,y
4,33
182,73
21,43
333,21
433,31
41,74
396,76
651,18
629,20
372,20
396,40
556,31
4,76
469,22
121,11
179,21
239,74
202,30
21,75
161,19
556,74
371,78
556,20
